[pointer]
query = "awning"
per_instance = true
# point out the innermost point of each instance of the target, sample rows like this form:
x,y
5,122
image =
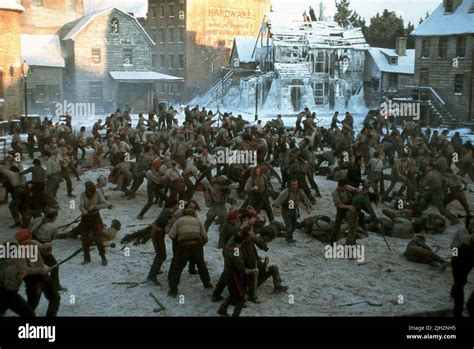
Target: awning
x,y
143,76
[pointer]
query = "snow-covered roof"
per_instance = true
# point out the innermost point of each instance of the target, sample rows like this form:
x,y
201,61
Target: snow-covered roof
x,y
406,64
438,23
11,5
41,50
143,76
293,70
86,20
290,30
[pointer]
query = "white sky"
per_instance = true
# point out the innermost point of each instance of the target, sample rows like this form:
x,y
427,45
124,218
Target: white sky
x,y
411,10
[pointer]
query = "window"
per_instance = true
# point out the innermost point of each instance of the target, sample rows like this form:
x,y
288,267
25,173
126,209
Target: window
x,y
425,48
375,84
162,35
162,11
162,87
424,76
393,60
171,10
449,6
171,34
221,43
442,47
461,46
171,64
458,84
96,94
127,57
181,61
71,5
153,11
181,35
47,93
162,61
114,26
393,81
95,55
154,34
37,3
153,62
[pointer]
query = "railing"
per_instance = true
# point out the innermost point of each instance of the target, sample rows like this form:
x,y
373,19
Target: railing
x,y
215,89
435,102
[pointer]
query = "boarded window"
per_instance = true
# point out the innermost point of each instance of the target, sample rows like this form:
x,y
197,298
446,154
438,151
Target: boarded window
x,y
425,48
162,11
95,56
153,11
442,47
459,84
181,35
171,10
181,61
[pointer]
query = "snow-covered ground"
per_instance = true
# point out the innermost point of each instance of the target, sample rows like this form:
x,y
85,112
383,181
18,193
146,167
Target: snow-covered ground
x,y
317,286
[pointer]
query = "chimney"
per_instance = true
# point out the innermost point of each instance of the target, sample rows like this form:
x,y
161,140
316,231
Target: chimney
x,y
401,46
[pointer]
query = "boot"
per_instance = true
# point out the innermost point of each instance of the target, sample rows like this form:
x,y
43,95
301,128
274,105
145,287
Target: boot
x,y
277,286
87,256
104,260
237,310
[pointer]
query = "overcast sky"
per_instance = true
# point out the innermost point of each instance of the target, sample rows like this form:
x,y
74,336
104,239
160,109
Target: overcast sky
x,y
410,10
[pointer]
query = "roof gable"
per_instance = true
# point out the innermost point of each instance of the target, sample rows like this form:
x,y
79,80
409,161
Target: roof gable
x,y
86,20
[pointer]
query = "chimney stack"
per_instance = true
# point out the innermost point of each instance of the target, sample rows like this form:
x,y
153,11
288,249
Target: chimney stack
x,y
401,46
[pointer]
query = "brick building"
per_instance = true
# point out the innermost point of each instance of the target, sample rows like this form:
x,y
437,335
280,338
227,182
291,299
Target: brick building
x,y
194,38
11,83
108,58
444,61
